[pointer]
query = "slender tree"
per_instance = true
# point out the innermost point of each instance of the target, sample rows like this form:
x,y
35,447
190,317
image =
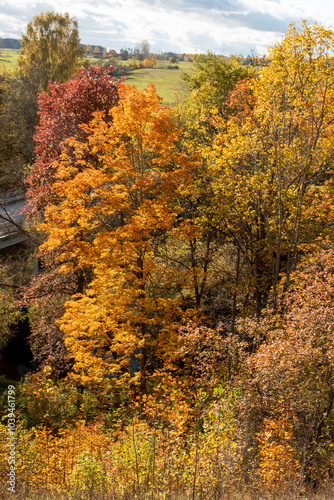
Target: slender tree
x,y
50,50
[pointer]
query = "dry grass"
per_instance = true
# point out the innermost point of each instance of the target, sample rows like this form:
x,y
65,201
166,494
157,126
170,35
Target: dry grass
x,y
24,494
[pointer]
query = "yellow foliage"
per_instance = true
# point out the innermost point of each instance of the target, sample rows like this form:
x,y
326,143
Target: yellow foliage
x,y
279,466
272,155
113,214
166,451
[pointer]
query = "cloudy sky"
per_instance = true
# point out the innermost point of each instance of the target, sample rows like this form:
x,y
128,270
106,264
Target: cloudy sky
x,y
222,26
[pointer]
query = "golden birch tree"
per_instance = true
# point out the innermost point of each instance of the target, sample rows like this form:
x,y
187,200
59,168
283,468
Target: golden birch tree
x,y
273,160
50,50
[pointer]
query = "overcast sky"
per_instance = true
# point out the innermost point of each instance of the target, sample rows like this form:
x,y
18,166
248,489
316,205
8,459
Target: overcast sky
x,y
222,26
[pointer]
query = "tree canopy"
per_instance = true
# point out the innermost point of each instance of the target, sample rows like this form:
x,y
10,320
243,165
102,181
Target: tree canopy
x,y
186,275
272,159
63,112
113,216
50,50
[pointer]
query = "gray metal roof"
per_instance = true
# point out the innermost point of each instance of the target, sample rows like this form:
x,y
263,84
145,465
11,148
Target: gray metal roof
x,y
11,219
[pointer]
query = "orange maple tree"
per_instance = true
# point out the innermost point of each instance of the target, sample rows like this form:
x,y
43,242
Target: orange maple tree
x,y
113,216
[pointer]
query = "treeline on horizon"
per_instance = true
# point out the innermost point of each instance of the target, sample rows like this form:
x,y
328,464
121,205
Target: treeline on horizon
x,y
141,51
10,43
177,276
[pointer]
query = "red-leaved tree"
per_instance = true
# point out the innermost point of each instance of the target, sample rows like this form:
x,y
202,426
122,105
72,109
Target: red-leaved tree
x,y
63,111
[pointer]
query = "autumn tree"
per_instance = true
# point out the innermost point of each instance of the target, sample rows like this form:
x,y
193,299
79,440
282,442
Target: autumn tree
x,y
291,374
142,50
17,120
18,112
113,217
204,250
62,112
206,89
50,50
272,161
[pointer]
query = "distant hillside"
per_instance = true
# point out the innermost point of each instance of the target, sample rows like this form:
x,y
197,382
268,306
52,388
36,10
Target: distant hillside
x,y
9,43
12,43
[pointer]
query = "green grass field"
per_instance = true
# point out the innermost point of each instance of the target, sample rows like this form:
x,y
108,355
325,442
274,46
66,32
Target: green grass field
x,y
167,81
9,57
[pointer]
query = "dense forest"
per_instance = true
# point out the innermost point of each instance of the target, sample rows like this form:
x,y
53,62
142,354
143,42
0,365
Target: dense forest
x,y
176,276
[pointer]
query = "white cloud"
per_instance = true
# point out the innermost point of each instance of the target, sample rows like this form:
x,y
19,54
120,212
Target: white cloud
x,y
225,26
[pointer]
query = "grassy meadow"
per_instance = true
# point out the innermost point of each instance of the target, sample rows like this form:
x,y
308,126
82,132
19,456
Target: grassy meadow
x,y
165,76
9,57
167,80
